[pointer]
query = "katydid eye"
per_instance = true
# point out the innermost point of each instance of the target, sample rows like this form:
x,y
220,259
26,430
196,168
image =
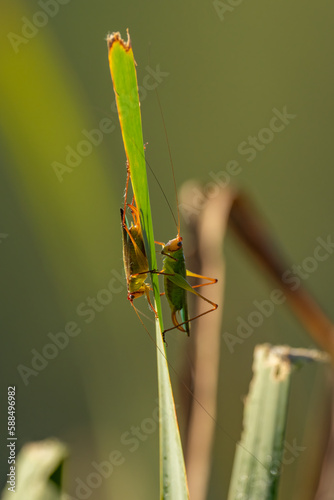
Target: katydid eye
x,y
179,244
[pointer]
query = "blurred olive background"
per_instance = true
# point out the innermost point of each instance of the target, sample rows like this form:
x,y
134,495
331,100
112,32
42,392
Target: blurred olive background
x,y
224,70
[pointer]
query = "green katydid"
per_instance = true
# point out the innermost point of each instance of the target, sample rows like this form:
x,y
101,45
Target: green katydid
x,y
176,285
174,268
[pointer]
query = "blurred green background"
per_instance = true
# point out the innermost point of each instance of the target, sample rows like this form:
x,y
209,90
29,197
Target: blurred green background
x,y
225,69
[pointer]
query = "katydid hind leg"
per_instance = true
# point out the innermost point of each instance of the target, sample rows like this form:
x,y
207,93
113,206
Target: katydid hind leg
x,y
214,307
211,281
183,283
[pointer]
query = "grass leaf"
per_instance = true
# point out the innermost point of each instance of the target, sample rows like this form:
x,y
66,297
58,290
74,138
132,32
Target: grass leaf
x,y
259,455
38,471
173,482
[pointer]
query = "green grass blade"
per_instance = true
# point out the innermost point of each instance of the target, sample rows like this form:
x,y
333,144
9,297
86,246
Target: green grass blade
x,y
38,472
259,455
173,482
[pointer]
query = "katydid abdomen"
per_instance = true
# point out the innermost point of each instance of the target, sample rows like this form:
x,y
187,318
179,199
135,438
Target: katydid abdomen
x,y
176,295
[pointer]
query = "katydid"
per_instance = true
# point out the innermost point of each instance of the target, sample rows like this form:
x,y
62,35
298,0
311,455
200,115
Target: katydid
x,y
134,255
174,268
176,285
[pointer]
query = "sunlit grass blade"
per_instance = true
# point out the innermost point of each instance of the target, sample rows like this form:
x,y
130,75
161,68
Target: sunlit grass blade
x,y
173,482
259,455
38,472
123,72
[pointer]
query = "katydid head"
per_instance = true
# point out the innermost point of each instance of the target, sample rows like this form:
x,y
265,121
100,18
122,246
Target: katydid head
x,y
134,295
173,245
